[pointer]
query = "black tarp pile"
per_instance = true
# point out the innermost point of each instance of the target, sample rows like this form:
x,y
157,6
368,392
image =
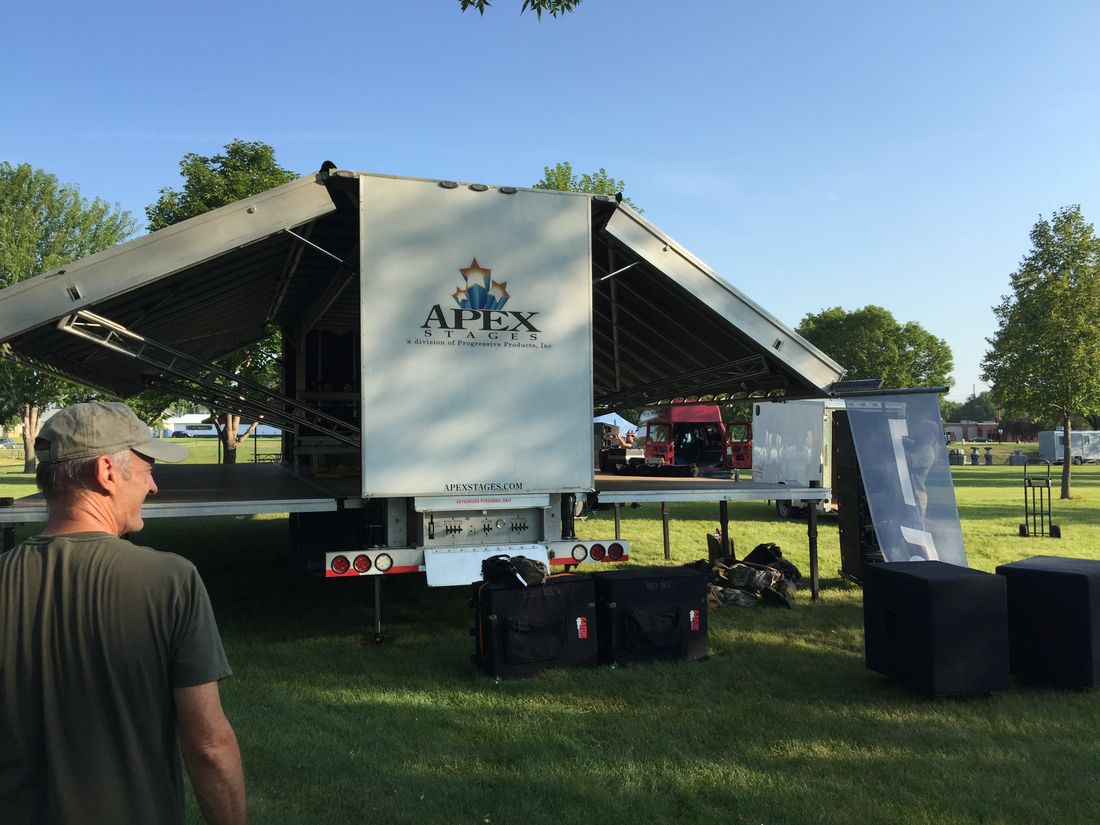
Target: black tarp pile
x,y
763,576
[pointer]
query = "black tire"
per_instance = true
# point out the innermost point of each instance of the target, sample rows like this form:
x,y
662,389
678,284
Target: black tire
x,y
1078,460
784,509
1023,531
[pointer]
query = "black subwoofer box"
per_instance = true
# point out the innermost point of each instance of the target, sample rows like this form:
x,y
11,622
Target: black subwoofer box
x,y
935,627
651,613
523,630
1054,620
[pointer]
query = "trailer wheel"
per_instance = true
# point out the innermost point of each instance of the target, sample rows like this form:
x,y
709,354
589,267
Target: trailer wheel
x,y
1023,531
1078,459
784,509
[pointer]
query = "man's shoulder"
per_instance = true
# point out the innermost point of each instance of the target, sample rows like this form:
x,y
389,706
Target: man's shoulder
x,y
157,559
135,558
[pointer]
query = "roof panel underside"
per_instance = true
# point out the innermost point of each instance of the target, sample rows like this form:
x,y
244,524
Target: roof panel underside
x,y
653,338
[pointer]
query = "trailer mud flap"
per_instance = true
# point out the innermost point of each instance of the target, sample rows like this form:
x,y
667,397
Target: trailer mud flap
x,y
449,566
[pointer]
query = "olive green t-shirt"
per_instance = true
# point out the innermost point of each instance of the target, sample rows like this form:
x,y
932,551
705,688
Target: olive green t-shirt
x,y
95,632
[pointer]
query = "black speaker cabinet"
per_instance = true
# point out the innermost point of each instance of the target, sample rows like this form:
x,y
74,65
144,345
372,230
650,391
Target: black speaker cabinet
x,y
523,630
935,627
651,613
858,541
1054,620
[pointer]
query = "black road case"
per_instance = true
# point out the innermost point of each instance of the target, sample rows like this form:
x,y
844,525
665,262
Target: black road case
x,y
651,613
935,627
1054,620
523,630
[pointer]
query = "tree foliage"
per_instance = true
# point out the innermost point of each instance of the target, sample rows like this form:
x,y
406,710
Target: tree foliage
x,y
551,7
980,407
43,225
243,169
1044,359
871,343
561,178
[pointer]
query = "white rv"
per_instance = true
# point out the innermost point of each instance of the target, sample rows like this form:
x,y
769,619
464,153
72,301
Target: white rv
x,y
196,425
1084,444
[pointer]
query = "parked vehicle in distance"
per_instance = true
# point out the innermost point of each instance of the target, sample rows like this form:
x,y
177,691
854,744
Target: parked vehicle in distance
x,y
180,434
1085,446
685,434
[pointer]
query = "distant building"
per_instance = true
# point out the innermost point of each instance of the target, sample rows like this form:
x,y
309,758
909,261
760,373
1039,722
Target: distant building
x,y
972,431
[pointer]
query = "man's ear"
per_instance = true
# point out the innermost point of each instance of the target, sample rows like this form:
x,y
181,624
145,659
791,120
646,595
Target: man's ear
x,y
107,474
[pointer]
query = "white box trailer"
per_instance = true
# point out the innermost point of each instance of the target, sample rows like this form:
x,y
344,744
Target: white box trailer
x,y
445,348
792,444
1084,446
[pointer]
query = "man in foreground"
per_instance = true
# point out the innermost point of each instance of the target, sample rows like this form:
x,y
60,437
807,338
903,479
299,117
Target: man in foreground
x,y
109,653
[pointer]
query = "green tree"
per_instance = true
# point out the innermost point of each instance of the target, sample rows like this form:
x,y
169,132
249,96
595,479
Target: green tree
x,y
43,225
561,178
871,343
1043,359
243,169
552,7
979,407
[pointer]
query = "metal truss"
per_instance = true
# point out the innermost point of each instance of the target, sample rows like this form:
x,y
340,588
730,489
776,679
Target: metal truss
x,y
720,380
206,383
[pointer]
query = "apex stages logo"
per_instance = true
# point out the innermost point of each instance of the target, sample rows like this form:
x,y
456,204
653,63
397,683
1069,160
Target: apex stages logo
x,y
479,317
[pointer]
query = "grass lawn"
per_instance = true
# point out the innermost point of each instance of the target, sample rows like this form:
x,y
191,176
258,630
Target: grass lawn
x,y
783,724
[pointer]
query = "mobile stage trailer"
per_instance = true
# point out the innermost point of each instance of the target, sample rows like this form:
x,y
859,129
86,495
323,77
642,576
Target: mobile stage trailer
x,y
426,324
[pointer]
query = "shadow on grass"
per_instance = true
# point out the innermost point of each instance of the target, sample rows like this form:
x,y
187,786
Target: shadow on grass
x,y
782,724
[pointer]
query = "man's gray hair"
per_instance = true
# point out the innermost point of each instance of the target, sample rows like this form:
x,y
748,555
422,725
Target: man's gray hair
x,y
62,481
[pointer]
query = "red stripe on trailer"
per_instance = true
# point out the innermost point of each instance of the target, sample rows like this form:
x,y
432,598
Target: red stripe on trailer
x,y
332,574
409,568
572,561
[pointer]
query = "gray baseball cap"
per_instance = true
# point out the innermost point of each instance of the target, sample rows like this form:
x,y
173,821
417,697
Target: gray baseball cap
x,y
100,428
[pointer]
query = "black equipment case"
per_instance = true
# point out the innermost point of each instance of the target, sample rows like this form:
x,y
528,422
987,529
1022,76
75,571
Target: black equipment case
x,y
523,630
651,613
1054,620
937,628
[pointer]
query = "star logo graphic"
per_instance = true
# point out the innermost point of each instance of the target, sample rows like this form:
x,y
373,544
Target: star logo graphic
x,y
480,290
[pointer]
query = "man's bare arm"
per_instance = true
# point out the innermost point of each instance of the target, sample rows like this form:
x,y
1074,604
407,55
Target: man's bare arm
x,y
210,751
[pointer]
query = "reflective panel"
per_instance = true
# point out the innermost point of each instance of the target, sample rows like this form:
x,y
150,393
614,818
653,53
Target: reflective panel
x,y
903,461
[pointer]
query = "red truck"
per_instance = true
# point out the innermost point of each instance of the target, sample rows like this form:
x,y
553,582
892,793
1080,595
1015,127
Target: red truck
x,y
684,434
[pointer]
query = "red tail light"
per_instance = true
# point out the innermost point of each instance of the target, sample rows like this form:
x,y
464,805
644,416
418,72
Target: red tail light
x,y
362,563
597,552
340,565
615,551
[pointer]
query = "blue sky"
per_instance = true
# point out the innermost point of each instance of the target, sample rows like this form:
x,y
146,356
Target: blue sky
x,y
815,154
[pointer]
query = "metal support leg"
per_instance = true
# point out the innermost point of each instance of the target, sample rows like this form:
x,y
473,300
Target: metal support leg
x,y
377,609
724,526
811,533
664,526
618,520
568,516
